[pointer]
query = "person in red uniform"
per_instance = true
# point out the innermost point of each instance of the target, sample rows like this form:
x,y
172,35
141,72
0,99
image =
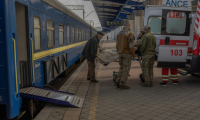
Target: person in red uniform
x,y
165,76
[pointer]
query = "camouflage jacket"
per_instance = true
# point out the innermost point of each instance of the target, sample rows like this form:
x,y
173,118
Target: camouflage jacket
x,y
138,43
148,44
124,38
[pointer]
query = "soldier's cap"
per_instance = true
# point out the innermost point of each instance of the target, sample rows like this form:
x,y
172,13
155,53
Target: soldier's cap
x,y
146,27
101,33
126,22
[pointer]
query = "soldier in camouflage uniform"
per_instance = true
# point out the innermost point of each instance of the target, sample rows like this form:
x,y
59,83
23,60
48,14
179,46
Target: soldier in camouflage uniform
x,y
148,49
124,39
139,41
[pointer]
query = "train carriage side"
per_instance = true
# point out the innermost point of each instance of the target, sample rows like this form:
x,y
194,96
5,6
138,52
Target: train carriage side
x,y
10,101
37,37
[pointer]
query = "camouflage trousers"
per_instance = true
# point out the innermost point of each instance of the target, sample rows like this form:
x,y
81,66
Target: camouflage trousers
x,y
147,68
125,65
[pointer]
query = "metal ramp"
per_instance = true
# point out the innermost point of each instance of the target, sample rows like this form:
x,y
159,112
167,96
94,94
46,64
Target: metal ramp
x,y
52,96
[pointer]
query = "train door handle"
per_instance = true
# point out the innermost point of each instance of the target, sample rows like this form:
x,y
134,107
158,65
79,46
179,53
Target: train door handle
x,y
167,40
15,63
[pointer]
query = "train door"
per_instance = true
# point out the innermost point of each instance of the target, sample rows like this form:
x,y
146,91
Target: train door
x,y
174,39
23,44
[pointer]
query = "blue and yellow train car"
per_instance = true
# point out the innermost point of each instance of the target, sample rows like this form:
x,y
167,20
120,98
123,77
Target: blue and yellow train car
x,y
39,40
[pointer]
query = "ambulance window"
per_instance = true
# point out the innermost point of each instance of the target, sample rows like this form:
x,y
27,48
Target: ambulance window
x,y
155,23
176,22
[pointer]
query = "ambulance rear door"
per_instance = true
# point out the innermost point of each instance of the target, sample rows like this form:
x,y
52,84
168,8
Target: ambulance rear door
x,y
153,17
174,39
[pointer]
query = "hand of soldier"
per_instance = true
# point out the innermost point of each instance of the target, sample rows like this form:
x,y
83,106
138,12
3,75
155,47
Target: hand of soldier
x,y
95,59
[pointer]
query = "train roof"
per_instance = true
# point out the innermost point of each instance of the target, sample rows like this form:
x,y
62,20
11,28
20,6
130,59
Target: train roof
x,y
58,5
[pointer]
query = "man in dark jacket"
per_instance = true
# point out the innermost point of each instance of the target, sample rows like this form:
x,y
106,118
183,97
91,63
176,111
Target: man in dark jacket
x,y
90,53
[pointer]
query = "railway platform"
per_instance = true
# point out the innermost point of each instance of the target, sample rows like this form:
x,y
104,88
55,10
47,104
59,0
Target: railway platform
x,y
103,101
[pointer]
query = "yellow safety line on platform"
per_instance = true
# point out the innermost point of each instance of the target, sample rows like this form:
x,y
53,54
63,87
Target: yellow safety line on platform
x,y
93,107
15,62
56,50
33,68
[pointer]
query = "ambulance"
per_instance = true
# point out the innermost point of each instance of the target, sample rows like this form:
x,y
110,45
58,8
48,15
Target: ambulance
x,y
173,26
193,60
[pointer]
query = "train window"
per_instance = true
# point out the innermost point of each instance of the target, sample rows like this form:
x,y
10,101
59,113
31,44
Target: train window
x,y
88,36
85,35
68,35
50,34
37,34
77,32
74,32
61,34
82,36
79,39
79,35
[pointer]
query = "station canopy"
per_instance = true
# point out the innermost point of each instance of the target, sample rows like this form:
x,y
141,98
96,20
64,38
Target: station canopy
x,y
115,10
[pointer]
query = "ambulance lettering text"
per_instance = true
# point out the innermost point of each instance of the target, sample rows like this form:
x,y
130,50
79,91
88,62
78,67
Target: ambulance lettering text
x,y
175,15
175,3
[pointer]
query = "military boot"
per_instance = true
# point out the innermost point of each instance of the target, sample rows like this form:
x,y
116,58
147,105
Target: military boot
x,y
117,84
146,84
124,87
151,83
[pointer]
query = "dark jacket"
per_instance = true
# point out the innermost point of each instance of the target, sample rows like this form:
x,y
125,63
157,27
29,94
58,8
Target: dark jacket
x,y
90,50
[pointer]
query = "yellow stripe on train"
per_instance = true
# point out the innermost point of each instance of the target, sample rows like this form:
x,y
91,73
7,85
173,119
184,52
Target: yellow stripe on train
x,y
56,50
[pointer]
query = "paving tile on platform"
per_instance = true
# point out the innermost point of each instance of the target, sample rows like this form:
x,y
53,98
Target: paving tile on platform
x,y
53,118
71,118
155,103
198,118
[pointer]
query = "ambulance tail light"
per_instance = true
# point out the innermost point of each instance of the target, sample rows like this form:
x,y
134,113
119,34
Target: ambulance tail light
x,y
196,44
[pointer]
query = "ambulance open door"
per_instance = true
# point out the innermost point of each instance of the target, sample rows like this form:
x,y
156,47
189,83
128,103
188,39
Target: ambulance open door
x,y
174,39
